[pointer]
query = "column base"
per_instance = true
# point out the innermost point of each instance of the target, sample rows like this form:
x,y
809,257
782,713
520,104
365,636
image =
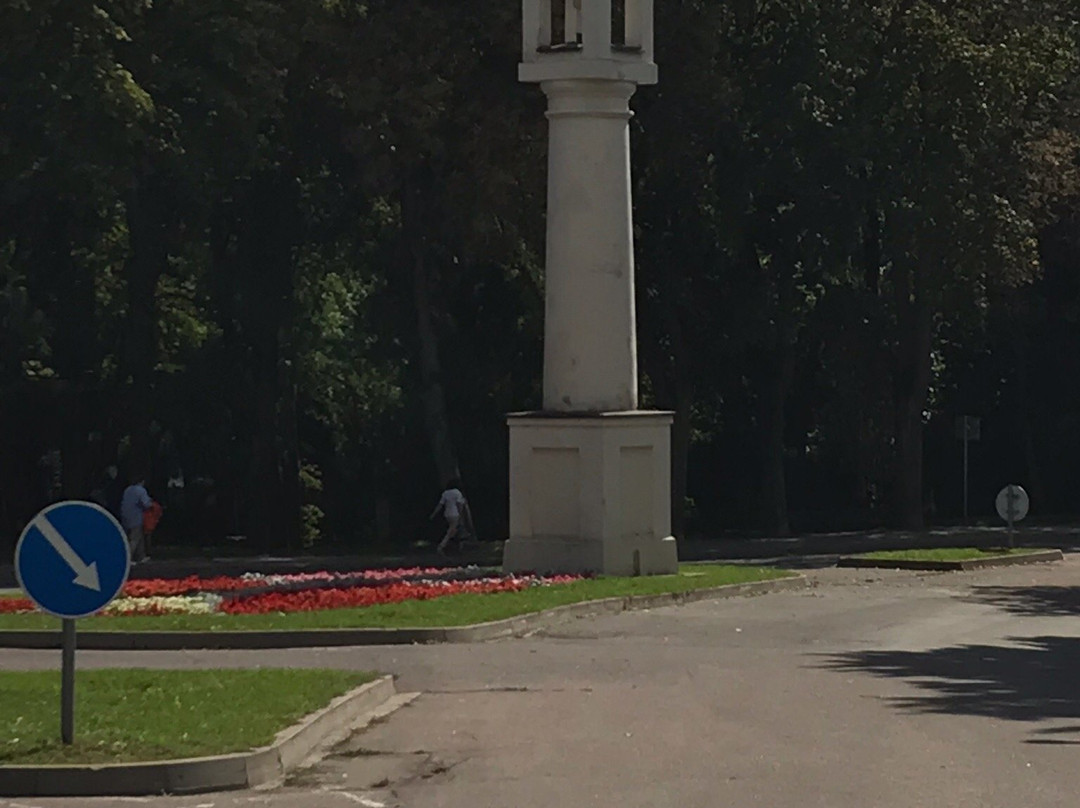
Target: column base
x,y
591,493
585,556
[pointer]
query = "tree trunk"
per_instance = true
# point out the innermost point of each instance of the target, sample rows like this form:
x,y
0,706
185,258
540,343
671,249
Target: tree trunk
x,y
291,491
274,479
872,247
682,402
673,389
147,220
780,369
666,363
912,385
75,445
434,397
27,410
908,496
680,456
74,345
267,253
773,383
264,479
417,194
1022,416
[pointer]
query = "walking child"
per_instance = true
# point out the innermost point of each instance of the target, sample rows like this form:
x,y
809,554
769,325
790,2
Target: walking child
x,y
454,506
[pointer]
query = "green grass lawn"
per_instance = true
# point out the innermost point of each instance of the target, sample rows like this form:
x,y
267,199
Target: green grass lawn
x,y
945,554
454,610
129,715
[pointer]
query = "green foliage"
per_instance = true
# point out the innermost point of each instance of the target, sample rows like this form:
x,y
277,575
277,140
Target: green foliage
x,y
311,515
23,329
341,365
248,239
311,520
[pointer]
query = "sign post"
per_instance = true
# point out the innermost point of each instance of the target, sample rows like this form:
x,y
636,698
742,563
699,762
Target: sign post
x,y
67,681
968,428
1012,505
71,560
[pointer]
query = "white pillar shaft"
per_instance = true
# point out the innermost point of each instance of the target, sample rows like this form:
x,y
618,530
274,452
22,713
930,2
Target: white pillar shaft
x,y
590,345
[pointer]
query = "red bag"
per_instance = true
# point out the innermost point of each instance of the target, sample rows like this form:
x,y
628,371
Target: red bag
x,y
151,516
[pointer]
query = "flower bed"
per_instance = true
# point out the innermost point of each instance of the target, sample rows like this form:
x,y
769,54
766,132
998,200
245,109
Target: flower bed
x,y
254,593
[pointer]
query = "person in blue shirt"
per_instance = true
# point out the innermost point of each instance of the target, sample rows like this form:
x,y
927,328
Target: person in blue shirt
x,y
133,504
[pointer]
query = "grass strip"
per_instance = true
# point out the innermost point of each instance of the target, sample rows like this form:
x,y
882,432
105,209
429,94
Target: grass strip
x,y
133,714
454,610
946,554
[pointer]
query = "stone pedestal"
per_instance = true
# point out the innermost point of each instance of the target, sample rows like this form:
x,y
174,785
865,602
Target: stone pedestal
x,y
590,493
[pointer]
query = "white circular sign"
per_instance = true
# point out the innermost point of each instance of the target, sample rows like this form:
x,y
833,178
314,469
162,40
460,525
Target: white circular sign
x,y
1012,503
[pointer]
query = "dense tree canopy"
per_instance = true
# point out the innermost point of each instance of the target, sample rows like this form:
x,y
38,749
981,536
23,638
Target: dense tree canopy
x,y
286,259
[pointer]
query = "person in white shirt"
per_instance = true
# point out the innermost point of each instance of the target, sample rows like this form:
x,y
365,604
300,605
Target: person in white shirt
x,y
453,505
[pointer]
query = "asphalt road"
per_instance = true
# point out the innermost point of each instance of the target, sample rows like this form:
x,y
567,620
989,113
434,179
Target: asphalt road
x,y
873,689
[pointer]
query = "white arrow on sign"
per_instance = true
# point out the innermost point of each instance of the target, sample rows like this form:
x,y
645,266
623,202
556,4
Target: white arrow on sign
x,y
85,576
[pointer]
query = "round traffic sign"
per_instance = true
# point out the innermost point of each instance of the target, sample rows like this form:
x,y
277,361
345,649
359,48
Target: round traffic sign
x,y
1012,503
72,559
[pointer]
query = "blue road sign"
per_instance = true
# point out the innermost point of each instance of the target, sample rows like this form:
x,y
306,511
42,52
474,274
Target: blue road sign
x,y
72,559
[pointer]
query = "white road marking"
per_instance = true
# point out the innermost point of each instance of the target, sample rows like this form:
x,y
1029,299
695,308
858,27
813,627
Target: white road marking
x,y
361,800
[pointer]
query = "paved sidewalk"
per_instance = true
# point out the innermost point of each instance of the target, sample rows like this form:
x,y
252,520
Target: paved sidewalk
x,y
875,689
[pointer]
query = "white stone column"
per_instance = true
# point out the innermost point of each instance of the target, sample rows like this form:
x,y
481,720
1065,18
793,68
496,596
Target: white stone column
x,y
590,474
590,345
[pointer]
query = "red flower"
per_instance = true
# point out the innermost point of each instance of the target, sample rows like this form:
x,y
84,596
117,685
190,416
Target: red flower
x,y
182,586
320,599
15,605
354,589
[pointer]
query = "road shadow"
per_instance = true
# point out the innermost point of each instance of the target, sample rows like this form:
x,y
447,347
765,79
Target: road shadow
x,y
1031,679
1051,736
1030,601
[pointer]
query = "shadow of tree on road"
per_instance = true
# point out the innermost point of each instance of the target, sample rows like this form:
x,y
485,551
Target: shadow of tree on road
x,y
1053,741
1031,679
1030,601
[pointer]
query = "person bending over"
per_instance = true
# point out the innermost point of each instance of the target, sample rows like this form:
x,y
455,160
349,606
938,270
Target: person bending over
x,y
454,506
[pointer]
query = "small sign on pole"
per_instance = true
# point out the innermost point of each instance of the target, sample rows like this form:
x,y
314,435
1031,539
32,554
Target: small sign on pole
x,y
1012,505
71,560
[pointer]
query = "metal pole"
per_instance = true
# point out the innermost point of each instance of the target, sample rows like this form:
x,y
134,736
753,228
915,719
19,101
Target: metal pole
x,y
67,682
1011,497
965,470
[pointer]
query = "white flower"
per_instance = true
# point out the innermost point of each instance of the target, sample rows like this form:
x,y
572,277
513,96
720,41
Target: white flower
x,y
202,603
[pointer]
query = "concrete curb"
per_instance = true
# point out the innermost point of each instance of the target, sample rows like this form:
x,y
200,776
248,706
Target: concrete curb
x,y
291,748
325,638
945,566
